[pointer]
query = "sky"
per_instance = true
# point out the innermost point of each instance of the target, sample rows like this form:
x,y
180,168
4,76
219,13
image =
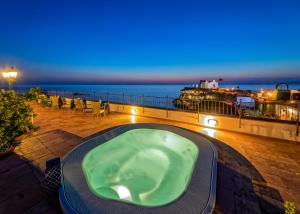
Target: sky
x,y
151,41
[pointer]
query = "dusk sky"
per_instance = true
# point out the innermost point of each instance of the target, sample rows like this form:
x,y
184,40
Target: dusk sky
x,y
153,41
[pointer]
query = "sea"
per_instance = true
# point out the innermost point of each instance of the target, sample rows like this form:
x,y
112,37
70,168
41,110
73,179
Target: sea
x,y
158,90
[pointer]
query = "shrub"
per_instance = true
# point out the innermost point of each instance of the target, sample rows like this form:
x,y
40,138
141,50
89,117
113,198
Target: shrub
x,y
33,93
15,119
289,207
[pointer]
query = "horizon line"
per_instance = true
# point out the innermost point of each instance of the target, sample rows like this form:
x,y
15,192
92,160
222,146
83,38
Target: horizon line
x,y
152,83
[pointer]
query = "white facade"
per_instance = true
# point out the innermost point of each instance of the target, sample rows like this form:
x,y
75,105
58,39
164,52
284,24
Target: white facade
x,y
209,85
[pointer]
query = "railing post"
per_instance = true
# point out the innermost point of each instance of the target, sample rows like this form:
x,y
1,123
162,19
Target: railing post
x,y
298,118
107,97
215,106
223,108
123,101
167,106
201,108
198,111
240,114
94,95
143,103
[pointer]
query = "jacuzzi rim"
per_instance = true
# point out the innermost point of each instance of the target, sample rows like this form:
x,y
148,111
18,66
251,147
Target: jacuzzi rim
x,y
67,207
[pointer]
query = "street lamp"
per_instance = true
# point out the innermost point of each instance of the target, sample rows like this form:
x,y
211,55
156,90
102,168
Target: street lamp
x,y
10,74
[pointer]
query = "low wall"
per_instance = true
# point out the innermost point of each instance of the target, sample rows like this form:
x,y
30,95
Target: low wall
x,y
256,127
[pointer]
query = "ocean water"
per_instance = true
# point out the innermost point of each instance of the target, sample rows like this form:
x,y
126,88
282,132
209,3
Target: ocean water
x,y
159,90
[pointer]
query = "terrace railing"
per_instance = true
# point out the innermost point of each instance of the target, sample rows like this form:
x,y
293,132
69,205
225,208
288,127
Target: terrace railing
x,y
171,103
241,109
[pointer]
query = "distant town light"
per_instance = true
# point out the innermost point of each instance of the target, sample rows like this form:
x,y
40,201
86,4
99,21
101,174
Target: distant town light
x,y
10,74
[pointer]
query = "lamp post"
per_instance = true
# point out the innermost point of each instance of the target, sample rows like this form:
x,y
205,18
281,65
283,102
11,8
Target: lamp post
x,y
10,74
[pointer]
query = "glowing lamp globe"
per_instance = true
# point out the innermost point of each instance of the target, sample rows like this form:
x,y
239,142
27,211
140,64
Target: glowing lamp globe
x,y
10,74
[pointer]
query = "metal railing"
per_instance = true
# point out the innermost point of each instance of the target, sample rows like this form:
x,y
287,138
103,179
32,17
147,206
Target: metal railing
x,y
171,103
240,110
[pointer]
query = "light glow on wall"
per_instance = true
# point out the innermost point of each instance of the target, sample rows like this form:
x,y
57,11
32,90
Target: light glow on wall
x,y
132,118
210,132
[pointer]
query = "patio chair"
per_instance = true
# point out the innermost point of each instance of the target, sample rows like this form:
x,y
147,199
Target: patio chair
x,y
67,103
98,109
54,101
78,104
88,106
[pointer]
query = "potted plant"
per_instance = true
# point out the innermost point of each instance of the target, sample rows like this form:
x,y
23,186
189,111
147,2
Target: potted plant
x,y
15,120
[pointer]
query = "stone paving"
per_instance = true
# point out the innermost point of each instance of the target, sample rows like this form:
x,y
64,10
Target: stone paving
x,y
255,174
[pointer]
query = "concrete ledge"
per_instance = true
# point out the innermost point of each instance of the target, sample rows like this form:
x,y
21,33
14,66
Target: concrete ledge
x,y
278,130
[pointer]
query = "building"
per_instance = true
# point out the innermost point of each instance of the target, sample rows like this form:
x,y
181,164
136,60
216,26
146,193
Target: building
x,y
295,95
209,84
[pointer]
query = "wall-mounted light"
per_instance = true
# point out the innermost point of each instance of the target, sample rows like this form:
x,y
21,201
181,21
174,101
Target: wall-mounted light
x,y
210,121
133,111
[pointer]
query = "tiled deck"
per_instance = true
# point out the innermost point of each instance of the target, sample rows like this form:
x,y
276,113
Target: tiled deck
x,y
255,174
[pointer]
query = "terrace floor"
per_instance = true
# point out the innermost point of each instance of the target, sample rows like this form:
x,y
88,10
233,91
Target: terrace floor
x,y
255,174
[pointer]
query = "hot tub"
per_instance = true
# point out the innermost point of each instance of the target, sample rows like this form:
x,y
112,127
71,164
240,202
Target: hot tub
x,y
140,168
146,167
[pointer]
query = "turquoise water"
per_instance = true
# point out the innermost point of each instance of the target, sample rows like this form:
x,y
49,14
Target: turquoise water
x,y
146,167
